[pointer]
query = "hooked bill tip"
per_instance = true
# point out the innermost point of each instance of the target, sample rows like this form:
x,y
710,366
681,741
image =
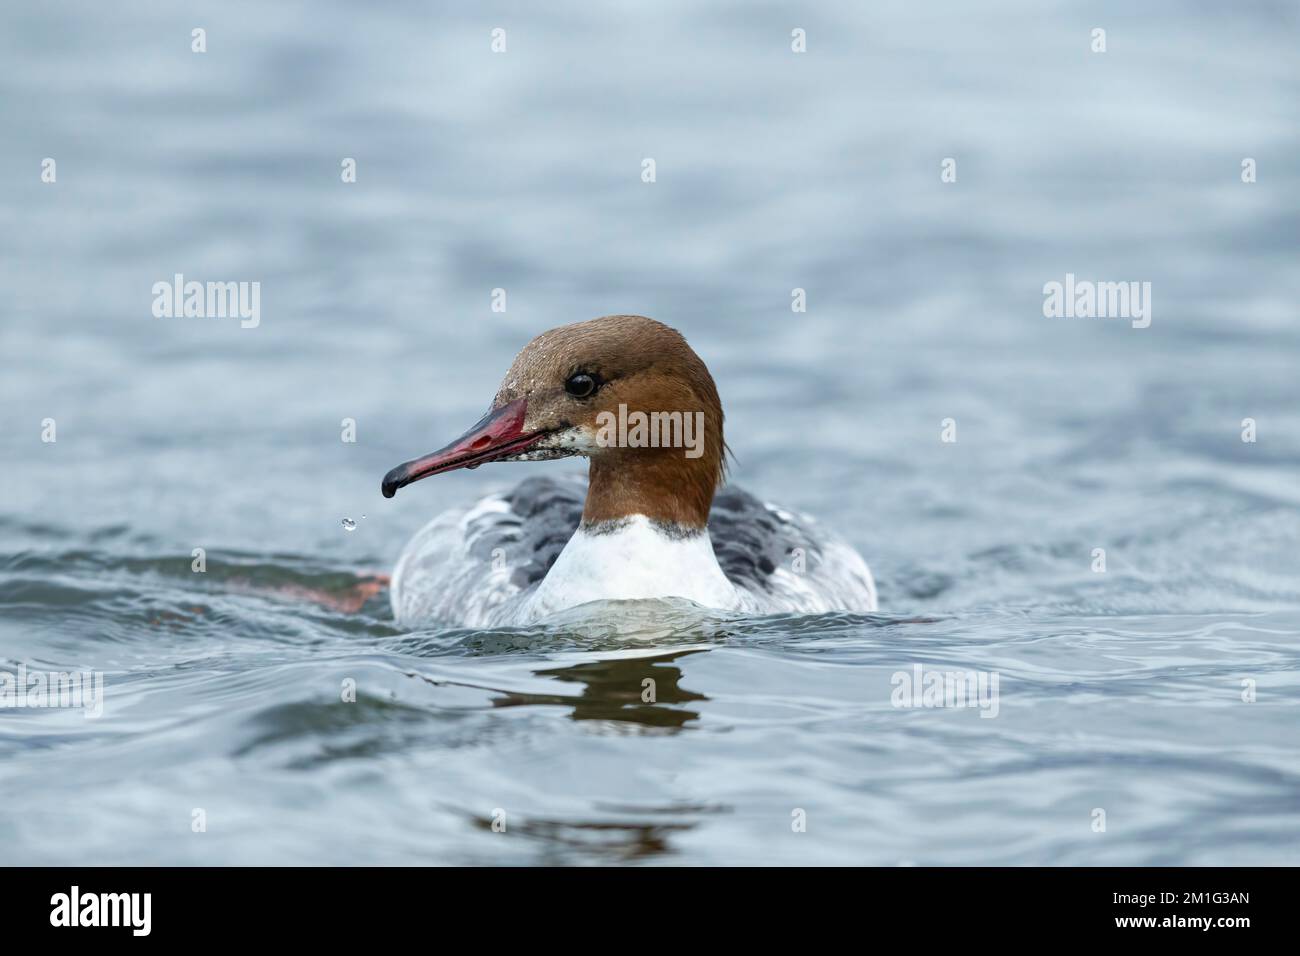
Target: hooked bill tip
x,y
392,481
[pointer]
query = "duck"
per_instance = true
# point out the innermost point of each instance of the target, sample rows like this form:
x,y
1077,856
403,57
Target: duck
x,y
655,519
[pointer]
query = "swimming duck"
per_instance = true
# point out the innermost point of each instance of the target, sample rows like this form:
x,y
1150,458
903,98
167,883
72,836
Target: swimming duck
x,y
653,519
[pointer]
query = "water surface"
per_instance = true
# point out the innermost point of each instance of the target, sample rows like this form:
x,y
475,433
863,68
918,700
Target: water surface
x,y
1119,691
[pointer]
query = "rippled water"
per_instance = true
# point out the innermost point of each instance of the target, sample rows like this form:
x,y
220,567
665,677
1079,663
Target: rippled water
x,y
1120,691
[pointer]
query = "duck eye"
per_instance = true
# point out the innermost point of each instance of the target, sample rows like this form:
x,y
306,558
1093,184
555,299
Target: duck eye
x,y
581,384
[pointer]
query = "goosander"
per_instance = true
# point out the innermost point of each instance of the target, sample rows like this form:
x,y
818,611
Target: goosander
x,y
627,393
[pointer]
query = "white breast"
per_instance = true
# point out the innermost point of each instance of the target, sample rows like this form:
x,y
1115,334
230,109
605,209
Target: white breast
x,y
519,556
632,560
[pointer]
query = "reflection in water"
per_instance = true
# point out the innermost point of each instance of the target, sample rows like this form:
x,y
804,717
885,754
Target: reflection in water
x,y
619,841
636,690
630,689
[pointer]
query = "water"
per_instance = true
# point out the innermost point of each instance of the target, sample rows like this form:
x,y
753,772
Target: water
x,y
1120,691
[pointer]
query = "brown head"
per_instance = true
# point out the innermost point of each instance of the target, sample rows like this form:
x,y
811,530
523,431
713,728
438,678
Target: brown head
x,y
625,392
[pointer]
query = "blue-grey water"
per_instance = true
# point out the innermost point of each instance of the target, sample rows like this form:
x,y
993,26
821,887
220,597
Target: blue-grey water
x,y
1162,691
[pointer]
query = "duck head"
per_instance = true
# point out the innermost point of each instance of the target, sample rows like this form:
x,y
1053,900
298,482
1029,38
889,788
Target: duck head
x,y
625,392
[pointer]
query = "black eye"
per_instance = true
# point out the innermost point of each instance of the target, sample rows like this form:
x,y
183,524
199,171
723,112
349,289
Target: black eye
x,y
581,384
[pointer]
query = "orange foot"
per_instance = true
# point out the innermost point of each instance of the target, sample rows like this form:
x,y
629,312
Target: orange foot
x,y
349,600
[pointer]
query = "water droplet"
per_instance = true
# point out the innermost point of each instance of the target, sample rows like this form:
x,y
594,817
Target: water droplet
x,y
349,524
